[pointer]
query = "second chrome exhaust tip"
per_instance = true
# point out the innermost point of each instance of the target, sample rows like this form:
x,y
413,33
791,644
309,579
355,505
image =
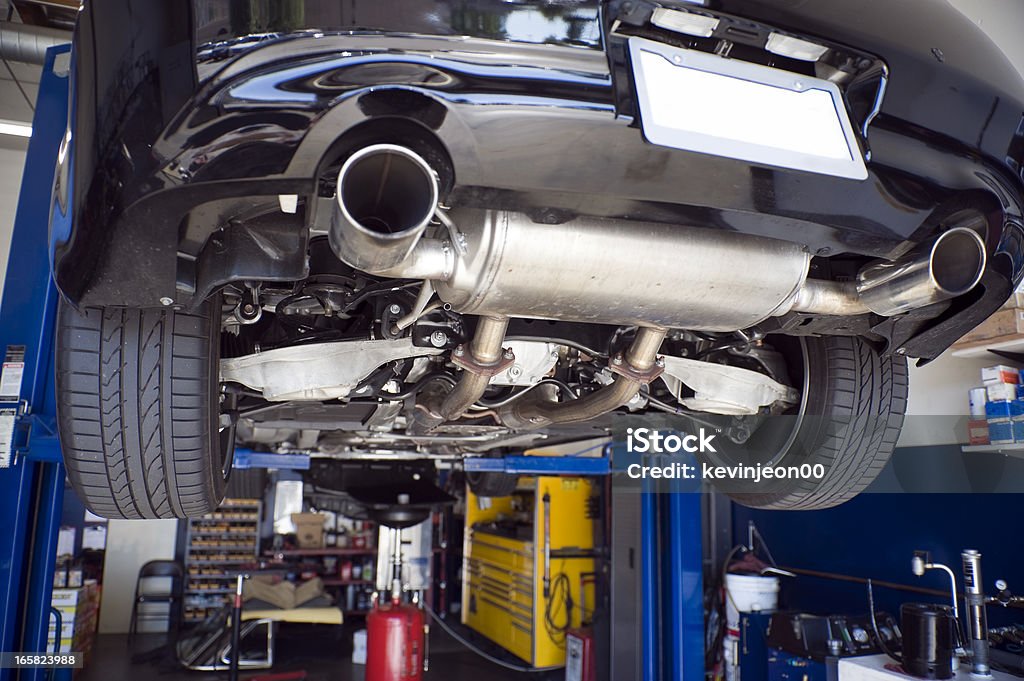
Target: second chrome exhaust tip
x,y
942,268
946,267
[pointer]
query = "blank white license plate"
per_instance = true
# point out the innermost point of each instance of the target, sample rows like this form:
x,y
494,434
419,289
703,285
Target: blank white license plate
x,y
705,103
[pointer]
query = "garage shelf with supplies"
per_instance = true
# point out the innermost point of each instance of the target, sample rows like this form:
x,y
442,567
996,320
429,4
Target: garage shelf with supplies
x,y
219,544
1011,343
330,581
293,553
1003,331
348,572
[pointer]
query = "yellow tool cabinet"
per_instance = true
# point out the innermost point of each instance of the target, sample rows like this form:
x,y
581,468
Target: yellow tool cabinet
x,y
503,585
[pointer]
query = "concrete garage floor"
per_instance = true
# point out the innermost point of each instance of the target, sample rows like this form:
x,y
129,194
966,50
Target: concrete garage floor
x,y
298,647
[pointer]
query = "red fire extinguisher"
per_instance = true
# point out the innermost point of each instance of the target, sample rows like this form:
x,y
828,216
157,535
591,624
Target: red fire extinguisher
x,y
394,642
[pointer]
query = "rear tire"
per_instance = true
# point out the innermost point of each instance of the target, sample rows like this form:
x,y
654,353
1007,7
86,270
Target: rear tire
x,y
138,410
854,402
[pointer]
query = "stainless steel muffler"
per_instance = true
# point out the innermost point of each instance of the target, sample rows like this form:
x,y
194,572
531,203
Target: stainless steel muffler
x,y
615,271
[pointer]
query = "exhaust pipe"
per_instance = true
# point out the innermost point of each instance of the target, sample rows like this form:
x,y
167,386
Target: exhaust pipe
x,y
637,367
614,271
385,199
945,267
586,269
485,359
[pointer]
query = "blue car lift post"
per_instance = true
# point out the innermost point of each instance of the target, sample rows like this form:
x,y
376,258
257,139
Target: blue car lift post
x,y
31,469
672,593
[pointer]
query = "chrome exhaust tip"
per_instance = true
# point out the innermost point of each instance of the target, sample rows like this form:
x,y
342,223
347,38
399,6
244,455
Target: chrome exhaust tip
x,y
385,199
958,261
948,266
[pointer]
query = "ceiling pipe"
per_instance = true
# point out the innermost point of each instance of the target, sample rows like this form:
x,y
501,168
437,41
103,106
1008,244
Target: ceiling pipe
x,y
28,44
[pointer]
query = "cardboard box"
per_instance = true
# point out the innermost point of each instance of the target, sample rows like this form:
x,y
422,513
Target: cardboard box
x,y
1002,323
998,410
977,432
309,530
1000,433
1001,392
1000,373
77,602
62,597
67,629
66,541
285,595
79,609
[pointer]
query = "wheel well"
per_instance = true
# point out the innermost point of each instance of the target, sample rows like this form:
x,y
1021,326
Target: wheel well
x,y
400,130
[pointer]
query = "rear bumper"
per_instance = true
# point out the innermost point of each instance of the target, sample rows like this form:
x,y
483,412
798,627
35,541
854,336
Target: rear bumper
x,y
539,129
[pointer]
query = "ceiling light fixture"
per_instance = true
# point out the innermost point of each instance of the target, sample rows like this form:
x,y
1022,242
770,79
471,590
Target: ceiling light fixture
x,y
16,129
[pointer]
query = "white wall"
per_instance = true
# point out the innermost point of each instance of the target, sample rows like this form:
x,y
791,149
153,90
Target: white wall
x,y
130,544
1002,20
13,107
11,163
937,409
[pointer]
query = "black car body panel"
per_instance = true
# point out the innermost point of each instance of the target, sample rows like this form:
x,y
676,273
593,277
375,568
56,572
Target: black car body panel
x,y
188,129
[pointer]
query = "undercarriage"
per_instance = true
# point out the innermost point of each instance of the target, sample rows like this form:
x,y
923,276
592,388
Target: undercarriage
x,y
436,331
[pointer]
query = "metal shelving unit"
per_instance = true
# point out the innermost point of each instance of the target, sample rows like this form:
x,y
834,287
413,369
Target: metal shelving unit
x,y
292,553
1015,450
219,543
349,593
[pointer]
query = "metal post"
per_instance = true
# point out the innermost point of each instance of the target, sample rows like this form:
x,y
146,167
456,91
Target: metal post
x,y
236,631
32,478
977,618
396,565
685,641
672,609
674,640
42,561
546,501
649,666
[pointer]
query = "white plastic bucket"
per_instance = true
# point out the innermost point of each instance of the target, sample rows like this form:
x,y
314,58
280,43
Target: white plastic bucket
x,y
749,593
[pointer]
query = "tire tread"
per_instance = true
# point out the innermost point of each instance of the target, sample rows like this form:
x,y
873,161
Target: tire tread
x,y
865,401
129,442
